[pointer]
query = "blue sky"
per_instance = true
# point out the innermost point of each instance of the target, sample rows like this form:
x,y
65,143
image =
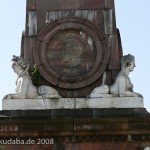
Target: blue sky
x,y
132,19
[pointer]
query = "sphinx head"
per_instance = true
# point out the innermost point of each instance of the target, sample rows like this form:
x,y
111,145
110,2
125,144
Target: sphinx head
x,y
19,64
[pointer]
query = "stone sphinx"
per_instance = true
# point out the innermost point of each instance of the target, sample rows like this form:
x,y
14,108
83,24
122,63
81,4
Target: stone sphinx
x,y
24,86
122,86
28,96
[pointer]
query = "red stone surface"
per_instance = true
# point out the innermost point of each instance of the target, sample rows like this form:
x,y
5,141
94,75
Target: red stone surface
x,y
27,23
77,146
99,20
109,4
28,50
76,131
115,56
57,4
31,5
92,4
41,15
73,4
109,21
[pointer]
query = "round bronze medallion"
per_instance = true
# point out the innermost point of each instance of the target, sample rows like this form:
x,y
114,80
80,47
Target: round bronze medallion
x,y
71,53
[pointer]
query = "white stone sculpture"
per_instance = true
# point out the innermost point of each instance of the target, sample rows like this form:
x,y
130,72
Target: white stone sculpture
x,y
24,86
122,87
101,91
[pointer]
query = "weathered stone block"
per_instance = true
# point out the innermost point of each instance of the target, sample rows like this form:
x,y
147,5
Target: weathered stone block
x,y
99,20
94,4
115,102
41,21
28,50
115,56
109,21
56,4
31,5
109,4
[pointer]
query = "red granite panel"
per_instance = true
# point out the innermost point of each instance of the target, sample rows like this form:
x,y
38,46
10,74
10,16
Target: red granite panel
x,y
28,50
75,93
65,93
92,4
31,5
41,21
86,92
69,4
99,20
109,4
48,5
119,43
103,66
114,62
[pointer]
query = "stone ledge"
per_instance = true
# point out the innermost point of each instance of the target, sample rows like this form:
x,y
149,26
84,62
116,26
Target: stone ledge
x,y
72,103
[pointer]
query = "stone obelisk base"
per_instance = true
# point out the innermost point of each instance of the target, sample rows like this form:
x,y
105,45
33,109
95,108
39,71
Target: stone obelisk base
x,y
75,129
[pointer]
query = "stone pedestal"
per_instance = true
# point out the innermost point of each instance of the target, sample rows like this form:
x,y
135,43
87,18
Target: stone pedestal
x,y
75,129
72,103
